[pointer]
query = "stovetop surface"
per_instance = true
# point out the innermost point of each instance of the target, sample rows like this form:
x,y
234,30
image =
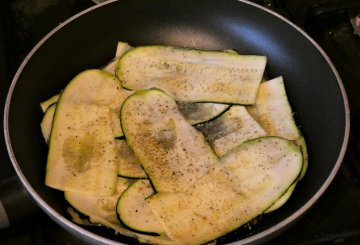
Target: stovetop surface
x,y
335,218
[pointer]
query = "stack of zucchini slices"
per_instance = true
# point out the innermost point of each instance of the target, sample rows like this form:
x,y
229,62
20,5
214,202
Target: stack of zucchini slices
x,y
173,145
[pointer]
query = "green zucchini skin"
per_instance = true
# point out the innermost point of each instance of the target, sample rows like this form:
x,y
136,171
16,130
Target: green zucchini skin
x,y
193,75
171,151
248,181
133,210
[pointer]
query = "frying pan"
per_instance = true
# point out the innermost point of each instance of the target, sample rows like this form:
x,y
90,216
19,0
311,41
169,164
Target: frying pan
x,y
88,40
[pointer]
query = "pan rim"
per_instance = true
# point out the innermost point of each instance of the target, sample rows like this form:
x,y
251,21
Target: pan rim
x,y
75,229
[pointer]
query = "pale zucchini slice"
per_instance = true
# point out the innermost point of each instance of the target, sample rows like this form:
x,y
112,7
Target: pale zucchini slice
x,y
98,208
302,143
121,49
282,200
201,112
134,211
46,122
231,129
82,153
47,103
172,152
128,164
193,75
102,211
247,182
272,110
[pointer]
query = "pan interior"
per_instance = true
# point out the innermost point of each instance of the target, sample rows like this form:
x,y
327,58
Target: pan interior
x,y
89,41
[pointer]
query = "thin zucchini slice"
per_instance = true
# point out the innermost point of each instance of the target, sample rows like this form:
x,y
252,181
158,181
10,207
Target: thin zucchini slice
x,y
82,154
47,103
231,129
282,200
102,211
201,112
98,208
246,183
128,164
302,143
171,151
121,49
272,110
134,211
193,75
46,122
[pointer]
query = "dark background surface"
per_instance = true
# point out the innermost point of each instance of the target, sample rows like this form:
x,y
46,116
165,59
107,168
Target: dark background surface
x,y
335,219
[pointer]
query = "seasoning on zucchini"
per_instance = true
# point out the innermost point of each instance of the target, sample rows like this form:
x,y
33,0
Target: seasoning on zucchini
x,y
172,152
247,182
82,152
193,75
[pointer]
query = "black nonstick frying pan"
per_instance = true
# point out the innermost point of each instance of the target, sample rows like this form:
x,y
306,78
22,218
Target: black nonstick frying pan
x,y
88,40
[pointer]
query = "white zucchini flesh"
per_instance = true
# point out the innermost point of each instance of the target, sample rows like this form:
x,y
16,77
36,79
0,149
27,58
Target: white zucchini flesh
x,y
231,129
98,208
171,151
129,166
121,49
272,110
46,122
47,103
82,152
134,211
247,182
193,75
282,200
102,210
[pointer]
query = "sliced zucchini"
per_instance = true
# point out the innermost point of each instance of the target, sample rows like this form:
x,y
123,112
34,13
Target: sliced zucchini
x,y
82,153
46,104
172,152
193,75
302,143
134,211
121,48
231,129
128,164
201,112
246,183
272,110
102,211
46,122
98,208
282,200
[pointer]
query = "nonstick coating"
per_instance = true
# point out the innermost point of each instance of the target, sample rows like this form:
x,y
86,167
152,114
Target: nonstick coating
x,y
89,40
